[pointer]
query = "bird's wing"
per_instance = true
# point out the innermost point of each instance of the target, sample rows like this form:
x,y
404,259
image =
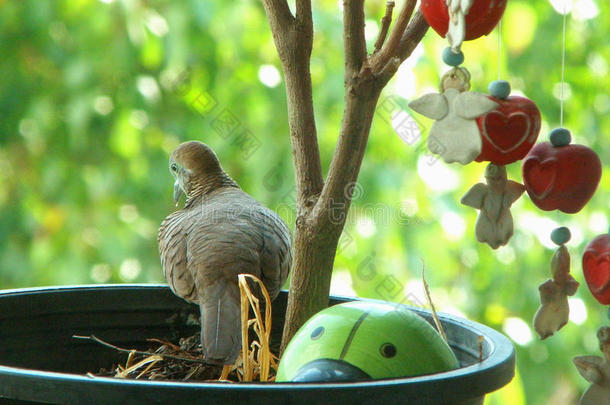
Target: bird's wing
x,y
475,196
433,105
220,248
470,105
231,235
172,249
264,238
276,252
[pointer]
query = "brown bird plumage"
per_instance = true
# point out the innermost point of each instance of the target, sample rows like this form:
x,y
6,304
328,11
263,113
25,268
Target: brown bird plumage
x,y
220,233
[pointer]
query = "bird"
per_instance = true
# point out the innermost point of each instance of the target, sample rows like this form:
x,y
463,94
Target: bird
x,y
220,232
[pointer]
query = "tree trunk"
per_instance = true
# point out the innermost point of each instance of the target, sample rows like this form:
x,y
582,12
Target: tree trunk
x,y
322,207
317,233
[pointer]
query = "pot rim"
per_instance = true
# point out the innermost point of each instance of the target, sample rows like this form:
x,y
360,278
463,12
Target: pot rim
x,y
499,361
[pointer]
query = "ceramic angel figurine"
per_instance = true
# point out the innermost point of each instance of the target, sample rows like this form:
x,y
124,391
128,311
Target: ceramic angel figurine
x,y
596,370
554,311
494,224
454,135
458,10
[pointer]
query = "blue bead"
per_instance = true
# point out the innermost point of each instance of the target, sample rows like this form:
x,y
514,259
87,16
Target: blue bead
x,y
561,236
451,58
560,137
499,89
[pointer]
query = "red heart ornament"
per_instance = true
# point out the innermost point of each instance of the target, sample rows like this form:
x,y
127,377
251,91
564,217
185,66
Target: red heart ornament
x,y
482,17
541,176
561,177
509,131
596,268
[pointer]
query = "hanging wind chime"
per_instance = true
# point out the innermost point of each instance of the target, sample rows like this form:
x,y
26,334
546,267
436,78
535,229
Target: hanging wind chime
x,y
497,128
559,175
595,369
501,129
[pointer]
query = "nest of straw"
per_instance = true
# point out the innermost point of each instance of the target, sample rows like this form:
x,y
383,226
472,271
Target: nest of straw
x,y
182,360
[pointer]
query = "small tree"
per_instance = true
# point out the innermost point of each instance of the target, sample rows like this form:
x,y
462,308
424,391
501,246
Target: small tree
x,y
322,205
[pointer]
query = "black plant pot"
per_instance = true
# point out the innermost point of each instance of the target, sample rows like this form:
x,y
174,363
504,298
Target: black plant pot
x,y
40,362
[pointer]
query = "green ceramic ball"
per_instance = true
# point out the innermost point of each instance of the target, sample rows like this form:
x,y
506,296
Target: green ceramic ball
x,y
561,235
364,340
560,137
452,58
499,89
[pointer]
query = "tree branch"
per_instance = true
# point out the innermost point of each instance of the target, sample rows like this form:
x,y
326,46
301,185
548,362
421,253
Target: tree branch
x,y
303,134
138,352
410,39
385,25
315,244
278,14
412,36
323,206
303,11
360,98
353,36
349,152
388,51
362,90
293,39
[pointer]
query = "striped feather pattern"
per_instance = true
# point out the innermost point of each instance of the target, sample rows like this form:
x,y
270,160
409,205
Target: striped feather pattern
x,y
203,248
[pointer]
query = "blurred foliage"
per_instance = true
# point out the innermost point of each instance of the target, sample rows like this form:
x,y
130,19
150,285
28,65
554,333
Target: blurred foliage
x,y
94,95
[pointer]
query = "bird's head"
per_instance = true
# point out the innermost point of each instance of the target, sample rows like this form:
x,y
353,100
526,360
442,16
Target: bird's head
x,y
197,170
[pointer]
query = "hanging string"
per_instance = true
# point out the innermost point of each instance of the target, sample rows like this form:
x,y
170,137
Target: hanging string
x,y
563,66
500,49
563,73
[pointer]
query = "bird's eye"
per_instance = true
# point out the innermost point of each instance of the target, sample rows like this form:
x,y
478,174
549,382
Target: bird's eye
x,y
174,167
388,350
317,332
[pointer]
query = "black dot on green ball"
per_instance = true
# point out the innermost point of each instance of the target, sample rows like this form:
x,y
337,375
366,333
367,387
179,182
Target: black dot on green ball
x,y
452,58
388,350
317,332
561,236
560,137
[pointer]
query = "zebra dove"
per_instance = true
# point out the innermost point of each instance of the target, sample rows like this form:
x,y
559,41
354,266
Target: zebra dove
x,y
220,233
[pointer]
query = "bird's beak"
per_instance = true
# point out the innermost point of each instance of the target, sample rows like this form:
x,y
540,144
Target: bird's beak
x,y
177,191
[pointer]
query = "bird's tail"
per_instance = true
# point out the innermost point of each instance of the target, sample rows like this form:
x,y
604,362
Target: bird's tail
x,y
221,324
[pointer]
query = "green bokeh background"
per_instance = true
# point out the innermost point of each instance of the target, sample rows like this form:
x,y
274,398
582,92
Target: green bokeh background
x,y
95,95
